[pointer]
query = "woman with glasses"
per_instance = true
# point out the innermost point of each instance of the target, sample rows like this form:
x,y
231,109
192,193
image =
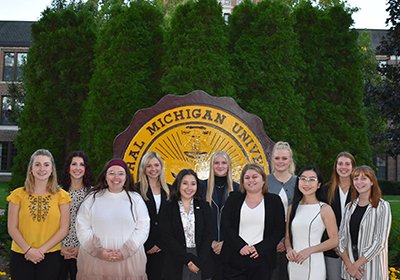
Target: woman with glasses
x,y
365,228
337,195
308,219
282,182
112,226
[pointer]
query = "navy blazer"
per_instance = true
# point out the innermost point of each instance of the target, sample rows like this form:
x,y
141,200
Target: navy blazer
x,y
174,243
154,234
274,229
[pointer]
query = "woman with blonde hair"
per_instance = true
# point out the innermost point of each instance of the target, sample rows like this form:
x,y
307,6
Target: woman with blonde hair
x,y
365,228
155,192
337,195
215,190
282,182
38,219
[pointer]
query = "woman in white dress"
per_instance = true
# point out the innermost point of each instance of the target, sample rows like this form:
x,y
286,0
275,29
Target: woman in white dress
x,y
112,225
308,219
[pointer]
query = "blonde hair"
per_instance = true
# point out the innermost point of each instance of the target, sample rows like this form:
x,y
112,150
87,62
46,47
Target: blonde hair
x,y
143,180
281,145
257,168
52,185
211,178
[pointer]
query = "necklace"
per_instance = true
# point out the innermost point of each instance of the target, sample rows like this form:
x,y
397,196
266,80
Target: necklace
x,y
220,187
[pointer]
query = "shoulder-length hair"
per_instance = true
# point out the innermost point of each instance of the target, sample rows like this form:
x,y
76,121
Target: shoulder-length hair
x,y
259,170
376,193
298,195
176,185
101,183
52,185
211,178
334,183
281,145
144,181
87,179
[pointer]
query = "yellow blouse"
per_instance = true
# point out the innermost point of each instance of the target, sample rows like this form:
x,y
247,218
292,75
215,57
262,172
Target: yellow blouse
x,y
38,217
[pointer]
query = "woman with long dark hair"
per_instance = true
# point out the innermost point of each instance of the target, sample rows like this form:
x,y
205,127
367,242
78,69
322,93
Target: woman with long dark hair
x,y
76,180
112,226
308,219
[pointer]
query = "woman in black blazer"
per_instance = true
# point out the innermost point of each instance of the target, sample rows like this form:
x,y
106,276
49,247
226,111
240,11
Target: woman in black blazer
x,y
155,192
253,223
187,231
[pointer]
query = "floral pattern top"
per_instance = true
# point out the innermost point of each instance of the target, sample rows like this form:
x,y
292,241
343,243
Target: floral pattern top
x,y
77,196
188,224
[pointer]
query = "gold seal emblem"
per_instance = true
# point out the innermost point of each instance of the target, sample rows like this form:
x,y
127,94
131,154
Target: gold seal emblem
x,y
187,130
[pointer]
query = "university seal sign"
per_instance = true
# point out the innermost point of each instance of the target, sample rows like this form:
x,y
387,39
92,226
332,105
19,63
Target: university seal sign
x,y
186,130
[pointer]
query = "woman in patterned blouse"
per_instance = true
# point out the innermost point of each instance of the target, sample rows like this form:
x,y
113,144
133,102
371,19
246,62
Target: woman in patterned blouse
x,y
187,231
77,179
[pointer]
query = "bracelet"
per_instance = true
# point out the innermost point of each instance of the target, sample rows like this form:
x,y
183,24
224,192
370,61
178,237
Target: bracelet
x,y
27,250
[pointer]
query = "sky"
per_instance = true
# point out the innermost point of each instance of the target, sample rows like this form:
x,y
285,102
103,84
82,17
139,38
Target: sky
x,y
372,14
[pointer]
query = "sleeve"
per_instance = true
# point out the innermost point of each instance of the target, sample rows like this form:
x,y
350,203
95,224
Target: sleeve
x,y
89,242
15,196
205,248
381,230
343,234
142,227
230,223
63,197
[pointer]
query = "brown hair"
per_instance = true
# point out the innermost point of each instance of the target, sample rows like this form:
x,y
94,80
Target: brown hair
x,y
334,183
376,192
259,170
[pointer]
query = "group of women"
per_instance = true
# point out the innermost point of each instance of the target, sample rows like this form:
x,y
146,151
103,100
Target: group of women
x,y
276,226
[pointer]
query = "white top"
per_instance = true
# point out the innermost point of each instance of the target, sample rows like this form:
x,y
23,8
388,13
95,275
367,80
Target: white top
x,y
251,226
285,201
188,222
157,199
109,218
343,196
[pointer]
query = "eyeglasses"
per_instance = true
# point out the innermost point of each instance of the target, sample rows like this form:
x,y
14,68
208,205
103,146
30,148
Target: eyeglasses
x,y
308,179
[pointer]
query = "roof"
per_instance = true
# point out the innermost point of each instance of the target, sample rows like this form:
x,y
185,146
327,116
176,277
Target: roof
x,y
376,36
16,33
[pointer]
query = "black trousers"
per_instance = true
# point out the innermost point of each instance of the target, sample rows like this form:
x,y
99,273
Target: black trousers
x,y
245,268
68,269
47,269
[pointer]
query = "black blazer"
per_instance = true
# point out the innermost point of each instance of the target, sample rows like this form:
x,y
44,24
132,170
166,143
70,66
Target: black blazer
x,y
337,209
154,234
274,229
174,243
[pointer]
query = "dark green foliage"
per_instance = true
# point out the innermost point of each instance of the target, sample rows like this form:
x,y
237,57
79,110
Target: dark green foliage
x,y
266,65
196,54
332,83
56,79
126,76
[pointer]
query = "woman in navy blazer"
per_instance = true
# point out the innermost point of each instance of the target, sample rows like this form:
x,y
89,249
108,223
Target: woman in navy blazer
x,y
243,258
187,231
155,192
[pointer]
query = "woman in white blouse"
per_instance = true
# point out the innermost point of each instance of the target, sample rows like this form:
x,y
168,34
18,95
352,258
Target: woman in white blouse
x,y
112,226
187,231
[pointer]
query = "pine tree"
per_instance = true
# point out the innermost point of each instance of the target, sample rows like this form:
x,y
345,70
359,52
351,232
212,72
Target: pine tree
x,y
332,83
56,78
126,76
266,65
196,54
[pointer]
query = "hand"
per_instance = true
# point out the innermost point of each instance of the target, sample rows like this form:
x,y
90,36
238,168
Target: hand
x,y
217,246
355,271
111,255
153,250
280,247
303,255
291,255
254,254
246,250
192,267
34,255
69,252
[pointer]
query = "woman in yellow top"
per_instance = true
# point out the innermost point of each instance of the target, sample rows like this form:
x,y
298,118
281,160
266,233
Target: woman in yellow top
x,y
38,219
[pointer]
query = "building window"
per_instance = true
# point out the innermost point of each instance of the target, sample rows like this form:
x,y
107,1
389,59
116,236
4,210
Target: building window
x,y
13,61
226,17
227,2
7,154
10,110
381,168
